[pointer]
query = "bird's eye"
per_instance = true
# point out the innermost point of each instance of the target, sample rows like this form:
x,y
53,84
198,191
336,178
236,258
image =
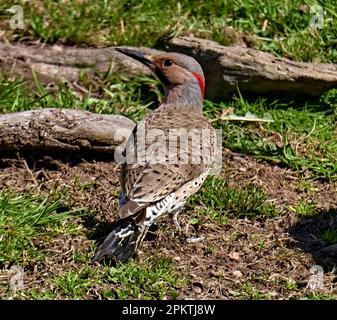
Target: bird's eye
x,y
168,63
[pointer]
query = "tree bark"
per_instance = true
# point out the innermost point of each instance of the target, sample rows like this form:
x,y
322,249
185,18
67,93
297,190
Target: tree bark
x,y
63,130
226,67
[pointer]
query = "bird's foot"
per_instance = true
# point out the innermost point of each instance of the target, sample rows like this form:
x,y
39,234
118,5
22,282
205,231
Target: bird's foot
x,y
195,239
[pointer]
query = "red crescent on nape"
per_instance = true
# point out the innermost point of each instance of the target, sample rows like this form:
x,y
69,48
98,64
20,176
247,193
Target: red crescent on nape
x,y
201,82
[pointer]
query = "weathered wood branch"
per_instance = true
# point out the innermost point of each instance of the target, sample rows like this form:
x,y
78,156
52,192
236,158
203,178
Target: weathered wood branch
x,y
63,130
226,68
65,63
256,72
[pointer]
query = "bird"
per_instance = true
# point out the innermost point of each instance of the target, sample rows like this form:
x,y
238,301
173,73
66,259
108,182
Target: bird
x,y
155,181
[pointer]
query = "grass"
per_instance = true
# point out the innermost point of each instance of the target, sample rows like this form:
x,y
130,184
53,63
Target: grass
x,y
152,279
302,137
24,221
220,201
320,296
156,279
74,284
329,236
280,27
28,226
248,291
304,208
120,96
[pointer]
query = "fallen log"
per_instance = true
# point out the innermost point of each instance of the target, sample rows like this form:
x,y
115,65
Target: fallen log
x,y
65,63
255,72
226,67
63,130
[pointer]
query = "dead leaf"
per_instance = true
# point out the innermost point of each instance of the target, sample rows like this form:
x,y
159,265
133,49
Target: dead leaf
x,y
226,111
237,273
197,287
234,256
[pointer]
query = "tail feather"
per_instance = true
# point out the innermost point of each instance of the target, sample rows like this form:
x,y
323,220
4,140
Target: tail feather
x,y
122,242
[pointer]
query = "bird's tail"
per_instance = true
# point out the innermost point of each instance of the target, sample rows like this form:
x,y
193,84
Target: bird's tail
x,y
122,242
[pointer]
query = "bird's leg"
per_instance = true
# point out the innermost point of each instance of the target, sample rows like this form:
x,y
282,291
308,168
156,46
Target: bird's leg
x,y
175,214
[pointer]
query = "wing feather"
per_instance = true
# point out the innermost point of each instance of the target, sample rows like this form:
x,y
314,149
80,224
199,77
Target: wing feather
x,y
144,183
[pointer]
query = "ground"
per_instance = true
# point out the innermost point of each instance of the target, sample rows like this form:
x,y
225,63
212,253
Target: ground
x,y
239,258
266,219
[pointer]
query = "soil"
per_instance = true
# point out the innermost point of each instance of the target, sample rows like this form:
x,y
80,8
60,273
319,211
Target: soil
x,y
242,259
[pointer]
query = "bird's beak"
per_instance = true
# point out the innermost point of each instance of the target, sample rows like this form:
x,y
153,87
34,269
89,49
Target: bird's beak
x,y
142,57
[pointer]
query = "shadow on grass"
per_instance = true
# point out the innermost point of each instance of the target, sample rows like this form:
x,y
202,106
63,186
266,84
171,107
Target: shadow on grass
x,y
317,235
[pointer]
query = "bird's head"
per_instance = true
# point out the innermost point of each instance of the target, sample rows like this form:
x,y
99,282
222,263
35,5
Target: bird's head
x,y
181,75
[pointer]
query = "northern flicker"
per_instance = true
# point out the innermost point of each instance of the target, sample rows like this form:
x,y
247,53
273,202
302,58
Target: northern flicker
x,y
159,185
